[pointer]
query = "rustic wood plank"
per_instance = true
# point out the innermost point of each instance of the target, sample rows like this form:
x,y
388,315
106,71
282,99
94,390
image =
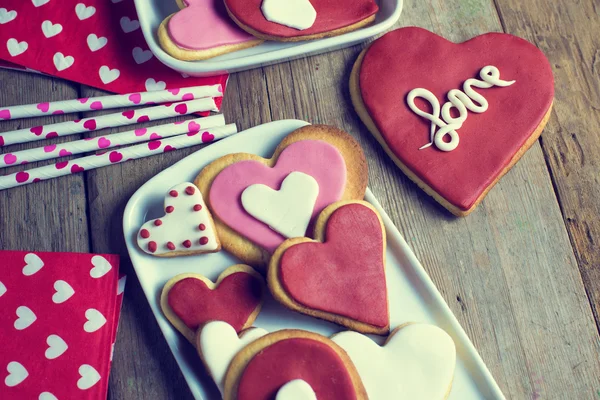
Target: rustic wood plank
x,y
45,216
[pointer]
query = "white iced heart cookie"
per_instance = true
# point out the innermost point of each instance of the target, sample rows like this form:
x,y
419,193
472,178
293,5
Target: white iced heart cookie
x,y
417,362
95,320
16,374
89,377
218,343
33,264
297,14
26,318
56,347
297,389
64,291
287,210
187,227
101,267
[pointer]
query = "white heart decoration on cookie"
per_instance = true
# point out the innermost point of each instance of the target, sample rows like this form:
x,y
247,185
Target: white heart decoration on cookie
x,y
89,377
95,43
16,374
297,389
152,85
129,25
61,62
297,14
108,75
417,362
47,396
186,226
84,12
33,263
49,29
2,289
7,16
26,318
141,56
287,210
64,291
39,3
101,267
95,320
56,347
15,47
219,343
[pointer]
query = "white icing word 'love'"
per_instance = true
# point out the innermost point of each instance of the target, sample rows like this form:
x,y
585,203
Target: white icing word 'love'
x,y
467,99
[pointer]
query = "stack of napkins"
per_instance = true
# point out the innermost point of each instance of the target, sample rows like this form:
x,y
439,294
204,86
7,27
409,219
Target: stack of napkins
x,y
58,323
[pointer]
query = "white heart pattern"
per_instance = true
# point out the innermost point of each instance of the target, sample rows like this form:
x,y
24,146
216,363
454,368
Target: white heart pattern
x,y
129,25
39,3
47,396
417,362
33,263
95,43
26,318
287,210
95,320
15,47
152,85
56,347
61,62
89,377
101,267
108,75
16,374
186,227
64,291
50,29
121,285
219,343
7,16
84,12
2,289
297,389
297,14
141,56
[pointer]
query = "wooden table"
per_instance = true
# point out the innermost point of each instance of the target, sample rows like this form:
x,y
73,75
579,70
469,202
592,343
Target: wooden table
x,y
521,273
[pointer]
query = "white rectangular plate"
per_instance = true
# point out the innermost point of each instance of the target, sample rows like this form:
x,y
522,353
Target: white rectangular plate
x,y
152,12
412,295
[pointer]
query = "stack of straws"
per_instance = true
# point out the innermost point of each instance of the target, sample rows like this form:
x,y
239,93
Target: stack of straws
x,y
180,135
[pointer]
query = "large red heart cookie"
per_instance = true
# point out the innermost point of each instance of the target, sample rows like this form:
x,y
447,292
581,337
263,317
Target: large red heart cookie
x,y
191,300
340,276
333,17
262,368
487,142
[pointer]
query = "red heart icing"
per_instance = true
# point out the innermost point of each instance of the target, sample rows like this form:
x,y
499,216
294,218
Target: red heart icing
x,y
296,358
233,301
331,15
410,58
345,275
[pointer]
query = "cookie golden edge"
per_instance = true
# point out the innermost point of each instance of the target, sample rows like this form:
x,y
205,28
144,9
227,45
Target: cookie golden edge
x,y
336,32
356,183
242,359
279,293
183,54
188,333
361,110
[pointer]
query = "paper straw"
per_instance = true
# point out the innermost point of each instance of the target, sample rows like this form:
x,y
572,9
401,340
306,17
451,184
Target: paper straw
x,y
108,141
107,121
115,156
108,102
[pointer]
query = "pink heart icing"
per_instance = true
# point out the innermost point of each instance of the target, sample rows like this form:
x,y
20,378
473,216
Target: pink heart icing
x,y
207,137
115,156
141,131
135,98
5,114
103,142
22,177
96,105
44,107
10,158
318,159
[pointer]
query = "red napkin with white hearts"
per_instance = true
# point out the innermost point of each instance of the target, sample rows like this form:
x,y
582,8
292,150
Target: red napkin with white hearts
x,y
58,323
95,42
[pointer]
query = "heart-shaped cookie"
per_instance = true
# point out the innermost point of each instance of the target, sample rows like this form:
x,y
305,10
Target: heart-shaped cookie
x,y
191,300
330,156
263,367
416,362
340,276
482,103
333,17
187,227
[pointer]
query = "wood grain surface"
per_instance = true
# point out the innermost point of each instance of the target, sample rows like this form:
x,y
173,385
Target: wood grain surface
x,y
521,273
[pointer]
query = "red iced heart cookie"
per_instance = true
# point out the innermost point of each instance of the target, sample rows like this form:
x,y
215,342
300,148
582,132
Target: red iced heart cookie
x,y
505,73
340,276
191,300
330,156
260,369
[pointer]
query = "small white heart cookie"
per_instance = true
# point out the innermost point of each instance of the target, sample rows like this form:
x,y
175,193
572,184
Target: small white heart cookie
x,y
417,362
218,343
187,227
297,389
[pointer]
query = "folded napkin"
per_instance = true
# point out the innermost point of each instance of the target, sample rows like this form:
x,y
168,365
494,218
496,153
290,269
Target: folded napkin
x,y
58,323
95,42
